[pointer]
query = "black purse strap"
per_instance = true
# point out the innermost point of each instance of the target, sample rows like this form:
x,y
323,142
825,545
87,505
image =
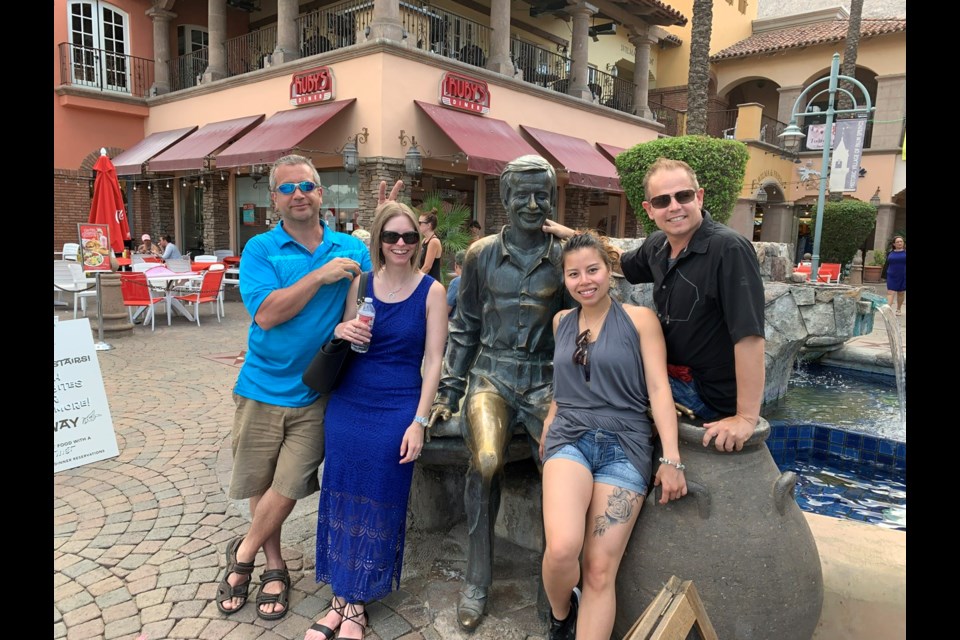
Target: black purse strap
x,y
362,288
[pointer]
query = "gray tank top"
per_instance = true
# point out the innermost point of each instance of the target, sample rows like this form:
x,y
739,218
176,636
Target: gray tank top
x,y
614,400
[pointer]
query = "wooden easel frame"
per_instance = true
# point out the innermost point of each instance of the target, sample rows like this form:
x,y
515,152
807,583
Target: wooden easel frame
x,y
677,613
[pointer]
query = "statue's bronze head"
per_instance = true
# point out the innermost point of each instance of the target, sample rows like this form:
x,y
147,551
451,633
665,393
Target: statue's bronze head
x,y
524,179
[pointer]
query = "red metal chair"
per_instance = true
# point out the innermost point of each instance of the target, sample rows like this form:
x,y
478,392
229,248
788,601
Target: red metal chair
x,y
136,292
829,272
209,291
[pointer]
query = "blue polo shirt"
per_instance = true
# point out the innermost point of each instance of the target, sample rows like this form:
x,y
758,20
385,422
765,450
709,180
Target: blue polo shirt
x,y
276,358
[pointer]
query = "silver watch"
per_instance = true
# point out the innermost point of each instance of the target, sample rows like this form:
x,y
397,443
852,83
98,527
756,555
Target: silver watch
x,y
422,421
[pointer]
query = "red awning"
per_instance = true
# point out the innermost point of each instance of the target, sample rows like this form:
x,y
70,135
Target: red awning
x,y
610,150
489,143
586,166
191,151
279,134
131,161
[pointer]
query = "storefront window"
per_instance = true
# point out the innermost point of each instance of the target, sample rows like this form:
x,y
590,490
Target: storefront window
x,y
341,198
604,213
254,209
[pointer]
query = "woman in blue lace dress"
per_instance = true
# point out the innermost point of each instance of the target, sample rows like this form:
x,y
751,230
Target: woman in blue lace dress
x,y
896,268
374,425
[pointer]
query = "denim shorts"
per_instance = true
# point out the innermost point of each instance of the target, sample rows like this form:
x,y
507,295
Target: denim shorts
x,y
601,453
686,394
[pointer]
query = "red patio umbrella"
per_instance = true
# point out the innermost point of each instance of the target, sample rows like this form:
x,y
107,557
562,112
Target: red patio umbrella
x,y
107,205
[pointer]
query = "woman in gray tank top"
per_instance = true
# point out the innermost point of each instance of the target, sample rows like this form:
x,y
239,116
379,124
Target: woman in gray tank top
x,y
609,368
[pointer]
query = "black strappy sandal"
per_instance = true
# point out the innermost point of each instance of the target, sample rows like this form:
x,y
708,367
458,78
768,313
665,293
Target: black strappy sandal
x,y
355,618
225,591
324,629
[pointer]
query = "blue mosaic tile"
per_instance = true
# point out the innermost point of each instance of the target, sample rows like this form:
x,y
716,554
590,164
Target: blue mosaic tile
x,y
885,459
870,444
868,456
806,432
821,434
901,450
853,440
819,445
836,436
835,449
851,453
887,447
793,432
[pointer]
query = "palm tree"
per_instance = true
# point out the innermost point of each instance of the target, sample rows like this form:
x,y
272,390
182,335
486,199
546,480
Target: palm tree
x,y
849,65
451,228
699,76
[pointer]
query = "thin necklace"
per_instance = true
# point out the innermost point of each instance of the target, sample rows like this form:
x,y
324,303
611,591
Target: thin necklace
x,y
391,294
596,325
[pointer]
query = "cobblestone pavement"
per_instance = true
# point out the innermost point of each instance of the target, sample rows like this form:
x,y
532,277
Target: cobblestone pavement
x,y
139,539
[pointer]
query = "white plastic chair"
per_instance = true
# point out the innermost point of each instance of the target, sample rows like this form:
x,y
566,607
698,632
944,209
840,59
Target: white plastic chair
x,y
220,254
179,265
65,280
206,258
83,281
70,251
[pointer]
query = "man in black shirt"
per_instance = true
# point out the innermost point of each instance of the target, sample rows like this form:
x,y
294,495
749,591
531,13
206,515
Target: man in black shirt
x,y
709,297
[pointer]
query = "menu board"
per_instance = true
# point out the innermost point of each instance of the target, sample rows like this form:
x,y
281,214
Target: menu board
x,y
95,246
82,425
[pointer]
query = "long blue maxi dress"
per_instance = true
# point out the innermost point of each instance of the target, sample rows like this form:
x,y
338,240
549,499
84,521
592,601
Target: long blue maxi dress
x,y
362,516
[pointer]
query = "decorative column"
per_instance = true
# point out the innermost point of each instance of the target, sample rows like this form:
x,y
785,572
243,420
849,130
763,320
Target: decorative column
x,y
216,51
884,227
788,97
288,47
777,224
581,12
641,41
499,60
161,18
386,21
891,101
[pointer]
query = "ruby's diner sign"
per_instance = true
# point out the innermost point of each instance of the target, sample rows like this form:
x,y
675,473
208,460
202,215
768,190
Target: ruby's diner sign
x,y
312,86
464,93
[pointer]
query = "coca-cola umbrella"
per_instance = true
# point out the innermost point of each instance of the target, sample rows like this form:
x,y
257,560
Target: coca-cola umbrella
x,y
107,205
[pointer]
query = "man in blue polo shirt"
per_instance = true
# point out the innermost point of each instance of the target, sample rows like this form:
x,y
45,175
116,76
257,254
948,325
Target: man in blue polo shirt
x,y
294,282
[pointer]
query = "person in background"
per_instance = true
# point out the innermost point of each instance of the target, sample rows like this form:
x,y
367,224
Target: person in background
x,y
609,367
363,234
170,251
148,246
475,231
295,280
432,248
330,219
375,424
453,288
896,272
709,298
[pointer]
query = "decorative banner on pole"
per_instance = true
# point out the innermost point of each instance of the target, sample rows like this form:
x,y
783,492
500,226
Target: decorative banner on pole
x,y
82,426
847,151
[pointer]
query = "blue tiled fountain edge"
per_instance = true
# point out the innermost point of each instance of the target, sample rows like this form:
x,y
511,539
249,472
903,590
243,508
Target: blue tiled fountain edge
x,y
785,441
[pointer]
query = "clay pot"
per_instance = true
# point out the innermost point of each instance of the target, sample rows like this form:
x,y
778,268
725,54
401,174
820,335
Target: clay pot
x,y
871,273
738,535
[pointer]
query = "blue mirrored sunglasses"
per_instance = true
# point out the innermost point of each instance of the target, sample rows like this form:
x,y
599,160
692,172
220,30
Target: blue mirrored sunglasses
x,y
306,186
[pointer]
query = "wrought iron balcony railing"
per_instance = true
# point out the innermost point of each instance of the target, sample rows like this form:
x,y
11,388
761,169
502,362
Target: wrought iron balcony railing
x,y
104,70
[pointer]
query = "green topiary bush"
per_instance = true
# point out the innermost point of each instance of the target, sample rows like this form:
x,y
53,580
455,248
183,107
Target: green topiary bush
x,y
846,224
719,164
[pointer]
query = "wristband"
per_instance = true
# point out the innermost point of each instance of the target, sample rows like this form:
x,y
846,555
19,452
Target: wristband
x,y
424,422
679,465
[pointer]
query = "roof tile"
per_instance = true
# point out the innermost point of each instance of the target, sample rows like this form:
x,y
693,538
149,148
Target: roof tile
x,y
806,35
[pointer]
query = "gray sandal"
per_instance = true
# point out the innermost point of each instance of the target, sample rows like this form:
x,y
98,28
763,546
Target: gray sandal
x,y
268,576
225,591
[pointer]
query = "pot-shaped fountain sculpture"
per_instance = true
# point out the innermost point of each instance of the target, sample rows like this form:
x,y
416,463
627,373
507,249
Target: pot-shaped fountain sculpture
x,y
738,534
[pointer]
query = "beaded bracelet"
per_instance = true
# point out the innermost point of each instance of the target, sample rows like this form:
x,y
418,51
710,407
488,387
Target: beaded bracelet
x,y
679,465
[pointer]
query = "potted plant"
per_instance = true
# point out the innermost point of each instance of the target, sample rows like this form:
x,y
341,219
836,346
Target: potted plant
x,y
871,272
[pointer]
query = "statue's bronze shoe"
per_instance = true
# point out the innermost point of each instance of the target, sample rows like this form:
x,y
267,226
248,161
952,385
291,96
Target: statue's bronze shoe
x,y
470,608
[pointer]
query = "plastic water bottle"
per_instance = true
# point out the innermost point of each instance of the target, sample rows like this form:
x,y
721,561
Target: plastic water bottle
x,y
366,314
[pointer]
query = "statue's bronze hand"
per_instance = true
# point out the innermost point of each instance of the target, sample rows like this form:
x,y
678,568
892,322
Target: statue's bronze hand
x,y
439,412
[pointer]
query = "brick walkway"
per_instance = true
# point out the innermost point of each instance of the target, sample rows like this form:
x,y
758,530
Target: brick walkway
x,y
139,539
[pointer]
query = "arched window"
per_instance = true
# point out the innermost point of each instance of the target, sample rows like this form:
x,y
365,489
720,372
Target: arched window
x,y
99,42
